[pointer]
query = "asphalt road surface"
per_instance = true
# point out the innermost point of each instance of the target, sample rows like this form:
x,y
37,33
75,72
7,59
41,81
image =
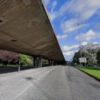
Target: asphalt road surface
x,y
49,83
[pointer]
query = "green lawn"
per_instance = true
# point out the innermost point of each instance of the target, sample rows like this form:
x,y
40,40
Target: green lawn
x,y
92,71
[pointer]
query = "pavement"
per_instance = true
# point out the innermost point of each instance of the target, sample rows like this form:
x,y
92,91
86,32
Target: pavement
x,y
49,83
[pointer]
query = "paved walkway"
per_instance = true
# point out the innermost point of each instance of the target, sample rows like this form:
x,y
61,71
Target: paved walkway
x,y
49,83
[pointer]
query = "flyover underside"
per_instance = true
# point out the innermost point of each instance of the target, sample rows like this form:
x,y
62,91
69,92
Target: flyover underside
x,y
25,28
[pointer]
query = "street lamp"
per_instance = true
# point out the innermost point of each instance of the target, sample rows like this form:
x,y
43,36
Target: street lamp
x,y
79,43
19,65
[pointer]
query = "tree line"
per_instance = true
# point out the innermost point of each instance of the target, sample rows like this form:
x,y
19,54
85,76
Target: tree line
x,y
92,56
8,58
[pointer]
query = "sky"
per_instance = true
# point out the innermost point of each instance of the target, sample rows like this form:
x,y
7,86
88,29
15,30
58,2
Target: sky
x,y
71,18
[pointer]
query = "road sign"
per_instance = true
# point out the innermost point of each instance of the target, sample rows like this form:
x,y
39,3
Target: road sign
x,y
82,60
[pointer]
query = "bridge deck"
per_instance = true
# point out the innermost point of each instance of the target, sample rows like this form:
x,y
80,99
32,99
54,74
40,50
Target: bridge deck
x,y
25,28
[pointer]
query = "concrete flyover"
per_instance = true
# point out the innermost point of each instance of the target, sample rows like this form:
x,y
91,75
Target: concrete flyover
x,y
25,27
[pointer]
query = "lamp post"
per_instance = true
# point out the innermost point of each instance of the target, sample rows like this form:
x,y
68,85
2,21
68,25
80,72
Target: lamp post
x,y
79,44
19,65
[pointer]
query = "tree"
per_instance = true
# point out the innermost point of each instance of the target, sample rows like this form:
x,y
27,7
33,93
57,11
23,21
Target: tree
x,y
26,60
23,60
76,57
98,57
44,61
90,57
9,57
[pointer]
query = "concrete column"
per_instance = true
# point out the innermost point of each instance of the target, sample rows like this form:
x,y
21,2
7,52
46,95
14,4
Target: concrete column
x,y
40,61
52,62
35,61
49,62
57,63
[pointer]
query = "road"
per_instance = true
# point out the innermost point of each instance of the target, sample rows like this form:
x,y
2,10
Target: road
x,y
49,83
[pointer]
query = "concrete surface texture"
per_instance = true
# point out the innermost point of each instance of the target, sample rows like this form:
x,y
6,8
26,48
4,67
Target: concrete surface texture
x,y
49,83
25,28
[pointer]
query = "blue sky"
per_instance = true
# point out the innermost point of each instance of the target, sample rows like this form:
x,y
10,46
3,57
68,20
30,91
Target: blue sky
x,y
66,14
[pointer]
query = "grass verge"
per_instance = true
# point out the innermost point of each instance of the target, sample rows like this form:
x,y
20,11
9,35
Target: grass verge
x,y
94,72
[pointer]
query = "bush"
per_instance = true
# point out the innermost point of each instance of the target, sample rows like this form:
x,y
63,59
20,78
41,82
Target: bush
x,y
75,64
26,60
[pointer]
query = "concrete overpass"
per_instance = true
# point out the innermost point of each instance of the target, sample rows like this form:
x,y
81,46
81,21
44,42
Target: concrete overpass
x,y
25,27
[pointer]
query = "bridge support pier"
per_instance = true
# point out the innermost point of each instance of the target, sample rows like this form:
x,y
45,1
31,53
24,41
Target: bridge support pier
x,y
35,62
49,62
52,62
56,63
40,61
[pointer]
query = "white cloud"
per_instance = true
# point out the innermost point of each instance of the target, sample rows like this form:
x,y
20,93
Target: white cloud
x,y
83,8
95,43
72,48
84,43
53,14
53,6
69,55
47,2
64,8
61,37
61,11
70,51
71,25
90,35
97,27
